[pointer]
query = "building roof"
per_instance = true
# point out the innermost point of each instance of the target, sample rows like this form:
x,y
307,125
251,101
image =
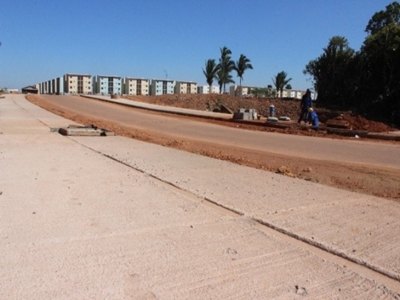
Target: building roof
x,y
169,80
29,87
185,81
137,78
107,76
74,74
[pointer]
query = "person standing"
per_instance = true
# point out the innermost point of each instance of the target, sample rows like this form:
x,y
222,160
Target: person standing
x,y
305,104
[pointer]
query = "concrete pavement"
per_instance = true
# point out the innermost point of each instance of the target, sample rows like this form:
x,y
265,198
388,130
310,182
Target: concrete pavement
x,y
111,217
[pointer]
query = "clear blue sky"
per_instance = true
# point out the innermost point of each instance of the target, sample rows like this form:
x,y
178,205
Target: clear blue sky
x,y
43,39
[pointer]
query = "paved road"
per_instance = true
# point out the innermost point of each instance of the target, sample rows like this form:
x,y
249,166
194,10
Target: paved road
x,y
115,218
347,151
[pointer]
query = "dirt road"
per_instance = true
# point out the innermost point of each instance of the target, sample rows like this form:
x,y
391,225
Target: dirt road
x,y
364,166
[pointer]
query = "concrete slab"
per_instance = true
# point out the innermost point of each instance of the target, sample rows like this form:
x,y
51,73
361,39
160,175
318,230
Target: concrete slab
x,y
359,227
18,116
84,131
75,224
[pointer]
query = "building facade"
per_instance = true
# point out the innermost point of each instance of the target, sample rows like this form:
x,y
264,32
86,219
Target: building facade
x,y
78,84
60,86
108,85
295,94
52,86
205,89
136,86
236,90
44,87
186,87
162,87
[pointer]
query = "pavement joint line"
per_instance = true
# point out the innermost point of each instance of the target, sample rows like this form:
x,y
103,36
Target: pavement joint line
x,y
280,230
335,252
236,212
30,114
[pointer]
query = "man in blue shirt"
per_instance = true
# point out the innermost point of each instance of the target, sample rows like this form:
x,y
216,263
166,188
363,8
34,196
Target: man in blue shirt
x,y
305,104
313,117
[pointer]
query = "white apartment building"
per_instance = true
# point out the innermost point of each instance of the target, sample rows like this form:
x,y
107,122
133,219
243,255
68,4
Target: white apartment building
x,y
186,87
108,85
136,86
236,90
78,84
205,89
295,94
162,87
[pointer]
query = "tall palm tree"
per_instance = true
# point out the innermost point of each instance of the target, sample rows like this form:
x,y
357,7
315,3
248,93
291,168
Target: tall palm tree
x,y
240,67
226,65
210,72
280,81
220,78
223,78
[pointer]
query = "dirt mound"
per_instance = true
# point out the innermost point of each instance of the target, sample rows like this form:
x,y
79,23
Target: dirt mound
x,y
212,102
360,123
283,107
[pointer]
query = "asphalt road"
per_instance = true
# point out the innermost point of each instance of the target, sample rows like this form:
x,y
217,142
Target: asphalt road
x,y
372,153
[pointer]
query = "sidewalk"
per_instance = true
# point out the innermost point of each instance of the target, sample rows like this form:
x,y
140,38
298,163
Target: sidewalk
x,y
162,108
112,217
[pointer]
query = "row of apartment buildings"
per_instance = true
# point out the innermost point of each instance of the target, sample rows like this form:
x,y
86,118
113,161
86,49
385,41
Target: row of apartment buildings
x,y
114,85
235,90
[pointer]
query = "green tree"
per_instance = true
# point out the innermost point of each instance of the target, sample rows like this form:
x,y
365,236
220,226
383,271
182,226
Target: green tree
x,y
210,72
280,81
259,92
380,63
223,79
384,18
334,73
226,65
240,67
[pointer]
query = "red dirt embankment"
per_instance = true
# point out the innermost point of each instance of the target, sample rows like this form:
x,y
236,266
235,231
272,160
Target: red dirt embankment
x,y
284,107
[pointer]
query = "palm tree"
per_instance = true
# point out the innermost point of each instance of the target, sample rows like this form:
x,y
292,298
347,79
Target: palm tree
x,y
223,78
240,67
280,81
226,65
210,72
220,78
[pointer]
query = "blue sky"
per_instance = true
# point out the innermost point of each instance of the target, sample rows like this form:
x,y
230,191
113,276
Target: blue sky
x,y
43,39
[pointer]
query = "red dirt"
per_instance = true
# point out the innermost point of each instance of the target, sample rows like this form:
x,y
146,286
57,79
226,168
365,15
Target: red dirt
x,y
283,107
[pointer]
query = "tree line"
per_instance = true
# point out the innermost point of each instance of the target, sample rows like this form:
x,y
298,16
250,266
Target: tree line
x,y
366,81
221,71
